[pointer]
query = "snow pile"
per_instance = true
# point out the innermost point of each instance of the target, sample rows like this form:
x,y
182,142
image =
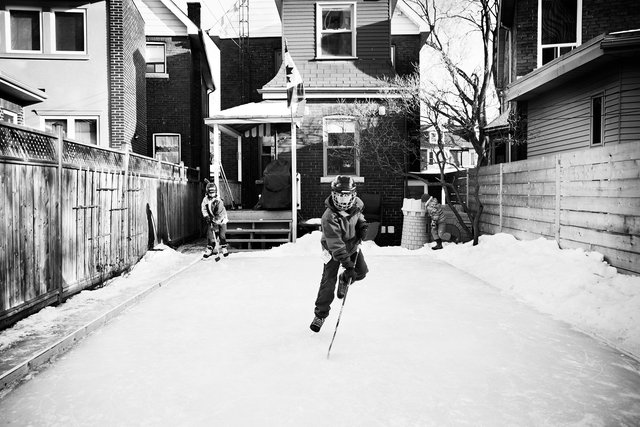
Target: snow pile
x,y
572,285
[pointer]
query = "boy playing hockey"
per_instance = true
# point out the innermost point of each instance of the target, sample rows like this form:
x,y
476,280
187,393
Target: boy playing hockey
x,y
438,220
343,228
215,214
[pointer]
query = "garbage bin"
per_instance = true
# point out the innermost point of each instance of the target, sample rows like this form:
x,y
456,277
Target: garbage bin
x,y
414,226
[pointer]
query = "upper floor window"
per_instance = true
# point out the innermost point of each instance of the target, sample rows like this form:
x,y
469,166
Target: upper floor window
x,y
166,147
70,30
341,138
156,58
8,116
335,31
25,30
83,129
559,28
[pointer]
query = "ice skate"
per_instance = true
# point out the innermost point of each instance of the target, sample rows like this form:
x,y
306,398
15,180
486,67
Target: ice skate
x,y
208,252
316,324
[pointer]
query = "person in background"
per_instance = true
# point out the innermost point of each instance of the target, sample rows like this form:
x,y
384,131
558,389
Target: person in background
x,y
215,214
438,219
343,229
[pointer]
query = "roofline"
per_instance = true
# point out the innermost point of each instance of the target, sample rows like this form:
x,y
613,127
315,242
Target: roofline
x,y
20,91
333,93
191,27
574,61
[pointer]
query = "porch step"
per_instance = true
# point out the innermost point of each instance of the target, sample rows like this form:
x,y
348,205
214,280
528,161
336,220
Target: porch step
x,y
251,230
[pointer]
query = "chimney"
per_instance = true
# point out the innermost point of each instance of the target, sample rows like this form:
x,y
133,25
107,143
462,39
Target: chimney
x,y
193,12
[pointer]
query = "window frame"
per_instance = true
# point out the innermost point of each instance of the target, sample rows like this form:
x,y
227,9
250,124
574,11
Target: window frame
x,y
325,142
71,128
153,143
54,40
8,113
558,46
393,55
592,120
7,27
319,30
164,49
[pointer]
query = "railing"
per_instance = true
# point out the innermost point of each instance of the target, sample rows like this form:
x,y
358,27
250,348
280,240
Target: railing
x,y
71,221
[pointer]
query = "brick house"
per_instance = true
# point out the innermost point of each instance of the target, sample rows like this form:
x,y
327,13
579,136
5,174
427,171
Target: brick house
x,y
570,70
339,62
178,83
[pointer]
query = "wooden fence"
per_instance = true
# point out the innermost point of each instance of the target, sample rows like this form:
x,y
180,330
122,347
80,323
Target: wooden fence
x,y
583,199
71,221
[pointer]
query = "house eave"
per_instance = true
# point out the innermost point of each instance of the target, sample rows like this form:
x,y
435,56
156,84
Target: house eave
x,y
333,93
20,92
582,60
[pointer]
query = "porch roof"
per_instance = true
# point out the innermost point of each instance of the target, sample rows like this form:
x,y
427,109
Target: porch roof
x,y
238,119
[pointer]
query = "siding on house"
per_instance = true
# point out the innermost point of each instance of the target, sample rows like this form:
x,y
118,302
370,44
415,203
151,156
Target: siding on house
x,y
560,119
159,20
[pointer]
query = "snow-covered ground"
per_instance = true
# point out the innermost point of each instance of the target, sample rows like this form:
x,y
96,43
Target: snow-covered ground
x,y
482,335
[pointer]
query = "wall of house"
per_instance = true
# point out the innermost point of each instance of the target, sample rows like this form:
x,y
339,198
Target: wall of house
x,y
598,17
126,69
240,86
560,120
314,191
74,84
407,53
169,109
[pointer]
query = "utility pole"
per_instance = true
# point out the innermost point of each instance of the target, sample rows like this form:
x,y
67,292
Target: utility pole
x,y
243,49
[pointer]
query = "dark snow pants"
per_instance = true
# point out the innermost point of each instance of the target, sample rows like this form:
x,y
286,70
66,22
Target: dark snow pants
x,y
220,230
327,289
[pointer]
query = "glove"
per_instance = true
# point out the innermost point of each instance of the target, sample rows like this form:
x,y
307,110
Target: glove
x,y
347,264
208,219
361,231
349,274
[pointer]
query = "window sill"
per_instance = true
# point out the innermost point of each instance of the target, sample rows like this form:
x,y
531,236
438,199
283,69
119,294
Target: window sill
x,y
335,58
27,55
157,75
329,179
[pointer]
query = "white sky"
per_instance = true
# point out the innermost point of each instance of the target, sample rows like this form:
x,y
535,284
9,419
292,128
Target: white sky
x,y
484,335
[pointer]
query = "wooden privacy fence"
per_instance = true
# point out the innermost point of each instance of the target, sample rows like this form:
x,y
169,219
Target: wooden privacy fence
x,y
71,221
588,199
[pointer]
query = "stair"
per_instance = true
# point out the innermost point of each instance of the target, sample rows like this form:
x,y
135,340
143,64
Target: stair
x,y
255,230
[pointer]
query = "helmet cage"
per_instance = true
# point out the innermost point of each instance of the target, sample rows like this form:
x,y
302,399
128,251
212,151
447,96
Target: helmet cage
x,y
343,200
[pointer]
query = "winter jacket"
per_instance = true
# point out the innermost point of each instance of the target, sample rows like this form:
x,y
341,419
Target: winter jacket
x,y
340,229
434,210
214,208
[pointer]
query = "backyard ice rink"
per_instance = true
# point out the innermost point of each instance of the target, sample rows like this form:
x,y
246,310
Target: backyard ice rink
x,y
421,342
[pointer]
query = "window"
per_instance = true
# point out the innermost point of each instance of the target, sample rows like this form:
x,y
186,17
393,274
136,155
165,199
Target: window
x,y
82,129
335,35
69,29
559,28
341,138
166,147
456,157
156,59
597,119
8,116
25,30
393,56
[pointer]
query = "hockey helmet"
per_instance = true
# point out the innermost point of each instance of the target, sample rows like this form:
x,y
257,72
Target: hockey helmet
x,y
343,192
211,188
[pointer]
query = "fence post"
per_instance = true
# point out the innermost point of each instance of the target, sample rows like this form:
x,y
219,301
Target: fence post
x,y
557,218
500,198
57,127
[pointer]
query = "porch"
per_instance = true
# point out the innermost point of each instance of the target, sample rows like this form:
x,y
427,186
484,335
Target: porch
x,y
258,229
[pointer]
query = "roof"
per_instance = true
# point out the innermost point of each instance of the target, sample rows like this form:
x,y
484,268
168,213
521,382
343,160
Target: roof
x,y
595,53
344,79
242,117
23,94
500,122
164,18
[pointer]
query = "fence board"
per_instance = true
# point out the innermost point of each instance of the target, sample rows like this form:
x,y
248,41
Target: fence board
x,y
4,238
16,298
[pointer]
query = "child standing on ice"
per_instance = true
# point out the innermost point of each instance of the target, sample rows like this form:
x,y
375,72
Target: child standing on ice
x,y
343,229
215,214
438,219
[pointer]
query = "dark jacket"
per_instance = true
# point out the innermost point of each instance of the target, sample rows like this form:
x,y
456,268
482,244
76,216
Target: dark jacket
x,y
339,229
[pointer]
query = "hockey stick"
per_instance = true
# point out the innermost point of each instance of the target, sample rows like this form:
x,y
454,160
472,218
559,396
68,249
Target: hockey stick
x,y
344,299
